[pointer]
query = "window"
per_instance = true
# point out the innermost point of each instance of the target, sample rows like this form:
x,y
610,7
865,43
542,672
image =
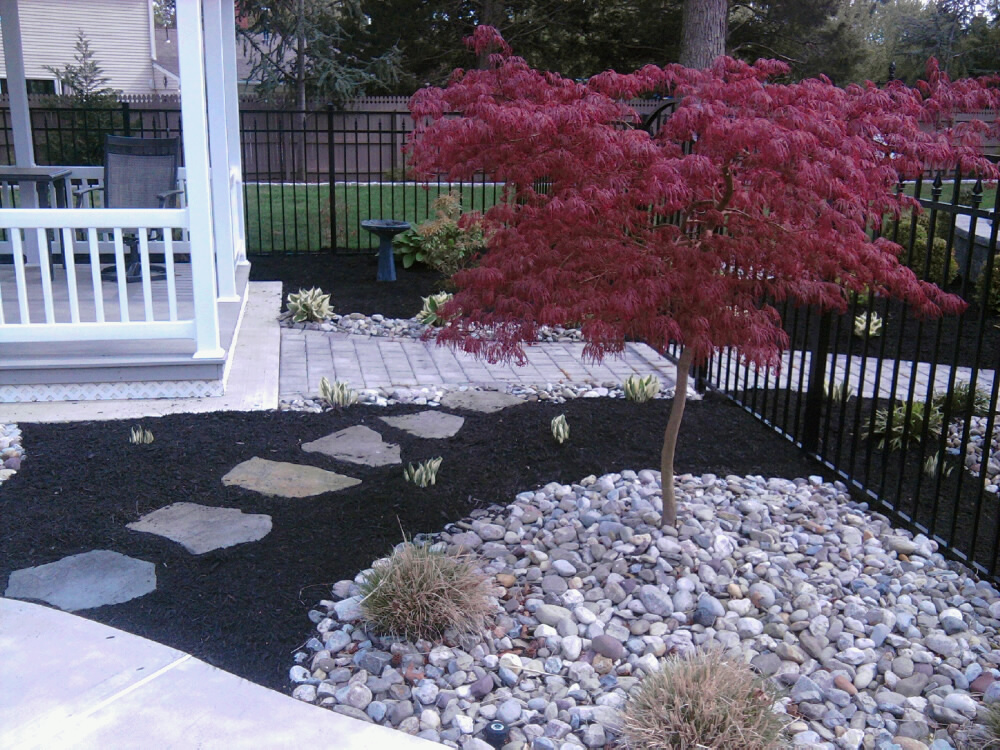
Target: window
x,y
41,86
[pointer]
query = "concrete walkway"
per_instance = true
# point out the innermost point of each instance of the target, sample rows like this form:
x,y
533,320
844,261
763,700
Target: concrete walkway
x,y
66,681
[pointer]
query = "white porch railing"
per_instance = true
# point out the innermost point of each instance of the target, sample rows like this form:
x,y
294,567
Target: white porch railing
x,y
43,303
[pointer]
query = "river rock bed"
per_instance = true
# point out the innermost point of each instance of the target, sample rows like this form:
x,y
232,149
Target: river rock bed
x,y
11,451
973,459
876,640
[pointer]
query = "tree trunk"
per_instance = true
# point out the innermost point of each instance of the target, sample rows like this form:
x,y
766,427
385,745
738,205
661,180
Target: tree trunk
x,y
670,439
299,137
703,34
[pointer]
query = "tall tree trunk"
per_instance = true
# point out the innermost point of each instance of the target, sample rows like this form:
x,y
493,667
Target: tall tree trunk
x,y
299,137
703,34
670,439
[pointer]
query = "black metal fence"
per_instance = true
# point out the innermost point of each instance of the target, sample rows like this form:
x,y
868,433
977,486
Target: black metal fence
x,y
310,178
902,409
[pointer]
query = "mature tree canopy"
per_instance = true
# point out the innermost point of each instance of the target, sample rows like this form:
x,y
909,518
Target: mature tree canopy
x,y
778,189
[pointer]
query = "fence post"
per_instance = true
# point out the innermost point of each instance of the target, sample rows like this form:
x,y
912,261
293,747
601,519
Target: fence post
x,y
127,120
329,176
815,391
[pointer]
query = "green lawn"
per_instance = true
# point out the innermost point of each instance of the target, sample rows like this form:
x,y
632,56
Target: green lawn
x,y
296,218
989,195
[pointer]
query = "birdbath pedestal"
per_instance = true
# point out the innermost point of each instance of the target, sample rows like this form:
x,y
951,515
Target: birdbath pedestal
x,y
386,229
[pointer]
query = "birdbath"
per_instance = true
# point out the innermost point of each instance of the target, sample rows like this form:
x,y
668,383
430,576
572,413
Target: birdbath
x,y
386,229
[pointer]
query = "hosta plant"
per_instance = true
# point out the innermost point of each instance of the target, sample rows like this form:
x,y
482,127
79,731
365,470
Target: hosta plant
x,y
140,436
423,473
309,305
428,315
420,591
868,324
905,423
703,700
560,428
641,389
338,393
408,246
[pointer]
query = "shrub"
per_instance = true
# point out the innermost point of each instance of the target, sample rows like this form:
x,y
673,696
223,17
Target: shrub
x,y
990,293
560,428
338,393
409,247
419,592
448,246
906,428
702,701
309,304
958,399
428,314
939,247
641,389
424,473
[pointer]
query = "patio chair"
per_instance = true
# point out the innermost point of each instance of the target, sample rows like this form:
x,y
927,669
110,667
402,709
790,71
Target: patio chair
x,y
138,173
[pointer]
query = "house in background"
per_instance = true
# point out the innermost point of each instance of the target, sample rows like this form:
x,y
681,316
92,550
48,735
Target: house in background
x,y
120,32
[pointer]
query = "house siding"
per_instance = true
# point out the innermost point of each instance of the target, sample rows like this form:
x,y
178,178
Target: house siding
x,y
118,31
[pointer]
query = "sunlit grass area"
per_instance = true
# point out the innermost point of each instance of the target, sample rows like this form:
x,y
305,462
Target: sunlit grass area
x,y
296,217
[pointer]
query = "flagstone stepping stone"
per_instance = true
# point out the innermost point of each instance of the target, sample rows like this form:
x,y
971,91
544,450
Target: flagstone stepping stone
x,y
486,402
430,424
281,479
84,581
358,445
200,528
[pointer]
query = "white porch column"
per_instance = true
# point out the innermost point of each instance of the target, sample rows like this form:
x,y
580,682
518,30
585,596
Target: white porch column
x,y
20,114
194,120
231,83
218,136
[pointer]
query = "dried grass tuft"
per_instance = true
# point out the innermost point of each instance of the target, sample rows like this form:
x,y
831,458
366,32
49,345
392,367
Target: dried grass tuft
x,y
702,702
419,592
989,732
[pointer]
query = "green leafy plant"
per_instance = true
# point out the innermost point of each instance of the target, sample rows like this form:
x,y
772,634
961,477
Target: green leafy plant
x,y
338,393
424,473
408,246
560,428
936,463
839,393
907,424
309,305
937,270
702,700
868,324
420,591
958,399
446,245
140,436
641,389
428,314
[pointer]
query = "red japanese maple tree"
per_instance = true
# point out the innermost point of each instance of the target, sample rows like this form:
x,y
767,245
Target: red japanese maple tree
x,y
778,188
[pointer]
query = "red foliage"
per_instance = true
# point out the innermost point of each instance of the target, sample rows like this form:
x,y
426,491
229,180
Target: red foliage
x,y
778,191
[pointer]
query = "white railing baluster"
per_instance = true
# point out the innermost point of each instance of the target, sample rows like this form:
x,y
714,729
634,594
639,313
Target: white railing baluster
x,y
168,263
21,283
43,266
147,289
70,263
95,273
123,314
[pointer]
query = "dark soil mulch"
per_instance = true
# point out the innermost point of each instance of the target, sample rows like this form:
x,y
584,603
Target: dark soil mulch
x,y
244,608
350,280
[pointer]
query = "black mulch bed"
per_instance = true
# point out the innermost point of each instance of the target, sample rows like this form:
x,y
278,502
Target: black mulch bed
x,y
952,507
350,279
905,337
244,608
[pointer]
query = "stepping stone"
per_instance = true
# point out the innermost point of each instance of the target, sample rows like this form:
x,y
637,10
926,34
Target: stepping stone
x,y
200,528
358,445
281,479
427,424
84,581
486,402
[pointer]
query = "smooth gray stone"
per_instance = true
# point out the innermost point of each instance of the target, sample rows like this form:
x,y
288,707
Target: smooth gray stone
x,y
91,579
356,445
201,528
430,424
486,402
281,479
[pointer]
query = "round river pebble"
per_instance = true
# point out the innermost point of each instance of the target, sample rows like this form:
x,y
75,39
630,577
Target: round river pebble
x,y
11,451
874,639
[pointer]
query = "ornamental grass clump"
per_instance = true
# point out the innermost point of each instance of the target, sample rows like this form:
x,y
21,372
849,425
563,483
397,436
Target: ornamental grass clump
x,y
419,592
702,701
338,393
423,473
906,423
